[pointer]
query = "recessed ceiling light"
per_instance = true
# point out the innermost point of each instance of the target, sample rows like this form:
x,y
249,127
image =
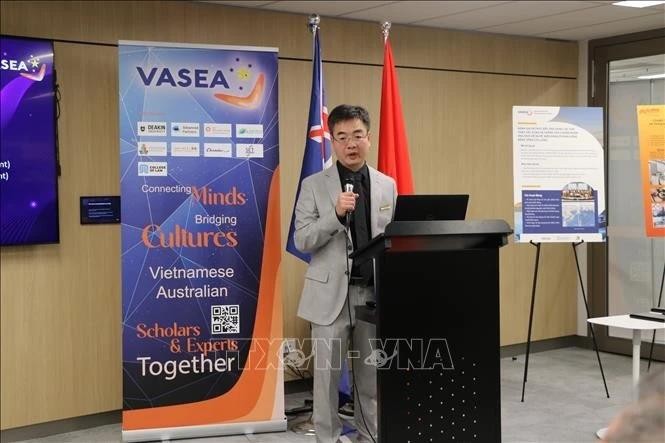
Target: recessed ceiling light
x,y
647,77
638,4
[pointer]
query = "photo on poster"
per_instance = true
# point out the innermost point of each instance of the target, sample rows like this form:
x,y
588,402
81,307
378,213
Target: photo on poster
x,y
657,172
658,194
578,206
658,214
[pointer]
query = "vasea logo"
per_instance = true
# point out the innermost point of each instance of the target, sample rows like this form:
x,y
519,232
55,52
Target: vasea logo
x,y
199,78
32,69
13,65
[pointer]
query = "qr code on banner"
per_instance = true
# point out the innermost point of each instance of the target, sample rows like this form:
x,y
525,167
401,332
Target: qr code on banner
x,y
225,319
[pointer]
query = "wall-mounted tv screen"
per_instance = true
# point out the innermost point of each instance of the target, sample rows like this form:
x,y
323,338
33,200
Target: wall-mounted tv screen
x,y
97,210
28,159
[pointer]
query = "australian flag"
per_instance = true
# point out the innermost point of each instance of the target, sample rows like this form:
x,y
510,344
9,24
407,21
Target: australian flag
x,y
317,145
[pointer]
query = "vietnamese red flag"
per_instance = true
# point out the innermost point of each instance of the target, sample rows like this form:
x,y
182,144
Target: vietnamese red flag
x,y
394,157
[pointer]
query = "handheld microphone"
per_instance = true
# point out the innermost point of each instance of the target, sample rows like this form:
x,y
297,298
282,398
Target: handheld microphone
x,y
348,187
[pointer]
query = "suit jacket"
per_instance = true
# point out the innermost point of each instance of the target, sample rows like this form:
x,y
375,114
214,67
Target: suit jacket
x,y
319,233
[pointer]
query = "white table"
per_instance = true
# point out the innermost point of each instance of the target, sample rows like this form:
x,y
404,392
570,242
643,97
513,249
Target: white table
x,y
637,325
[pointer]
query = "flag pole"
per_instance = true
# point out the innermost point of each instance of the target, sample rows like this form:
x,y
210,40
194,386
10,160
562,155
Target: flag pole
x,y
313,23
393,158
385,30
317,137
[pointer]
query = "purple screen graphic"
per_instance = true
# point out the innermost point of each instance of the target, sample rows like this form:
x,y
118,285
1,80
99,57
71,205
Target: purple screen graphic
x,y
28,175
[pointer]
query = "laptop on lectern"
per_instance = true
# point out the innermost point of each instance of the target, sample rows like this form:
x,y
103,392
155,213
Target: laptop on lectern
x,y
431,207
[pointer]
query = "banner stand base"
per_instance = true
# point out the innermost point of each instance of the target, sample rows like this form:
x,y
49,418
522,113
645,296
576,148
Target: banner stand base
x,y
161,434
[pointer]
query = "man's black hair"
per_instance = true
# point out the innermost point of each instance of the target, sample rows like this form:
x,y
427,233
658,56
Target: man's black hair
x,y
348,112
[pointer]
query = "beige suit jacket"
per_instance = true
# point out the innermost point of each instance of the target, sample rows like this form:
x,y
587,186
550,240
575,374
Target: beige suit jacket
x,y
319,233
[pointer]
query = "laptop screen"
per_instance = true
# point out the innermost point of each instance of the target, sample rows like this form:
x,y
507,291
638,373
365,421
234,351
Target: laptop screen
x,y
431,207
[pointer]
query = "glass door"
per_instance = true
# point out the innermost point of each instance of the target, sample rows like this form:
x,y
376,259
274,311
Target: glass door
x,y
626,272
635,262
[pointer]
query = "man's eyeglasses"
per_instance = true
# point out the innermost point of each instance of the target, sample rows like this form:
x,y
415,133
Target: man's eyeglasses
x,y
346,139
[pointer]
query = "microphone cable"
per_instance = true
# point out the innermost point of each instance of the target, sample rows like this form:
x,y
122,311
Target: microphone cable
x,y
347,234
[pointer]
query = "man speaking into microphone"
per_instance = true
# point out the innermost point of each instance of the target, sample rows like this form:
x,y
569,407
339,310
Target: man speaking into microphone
x,y
338,211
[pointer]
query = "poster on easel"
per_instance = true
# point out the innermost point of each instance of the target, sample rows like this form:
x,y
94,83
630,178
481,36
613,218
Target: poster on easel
x,y
558,174
651,128
201,244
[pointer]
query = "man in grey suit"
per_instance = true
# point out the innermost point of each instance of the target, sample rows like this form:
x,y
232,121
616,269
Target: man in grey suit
x,y
331,223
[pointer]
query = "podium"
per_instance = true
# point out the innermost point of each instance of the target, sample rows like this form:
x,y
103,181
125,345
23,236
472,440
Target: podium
x,y
437,326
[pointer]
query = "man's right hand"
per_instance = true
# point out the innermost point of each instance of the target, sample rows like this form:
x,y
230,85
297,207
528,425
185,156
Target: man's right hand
x,y
346,202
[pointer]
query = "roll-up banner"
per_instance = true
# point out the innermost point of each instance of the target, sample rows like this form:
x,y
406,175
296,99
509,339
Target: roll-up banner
x,y
201,248
558,173
651,127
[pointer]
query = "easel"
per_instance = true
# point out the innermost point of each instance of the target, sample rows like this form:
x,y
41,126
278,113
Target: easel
x,y
660,299
586,305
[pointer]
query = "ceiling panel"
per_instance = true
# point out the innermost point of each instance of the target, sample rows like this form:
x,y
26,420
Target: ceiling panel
x,y
328,8
636,24
507,13
566,20
569,20
248,4
411,11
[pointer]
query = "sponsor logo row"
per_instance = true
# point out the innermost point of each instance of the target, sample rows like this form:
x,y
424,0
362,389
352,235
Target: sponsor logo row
x,y
185,149
192,129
